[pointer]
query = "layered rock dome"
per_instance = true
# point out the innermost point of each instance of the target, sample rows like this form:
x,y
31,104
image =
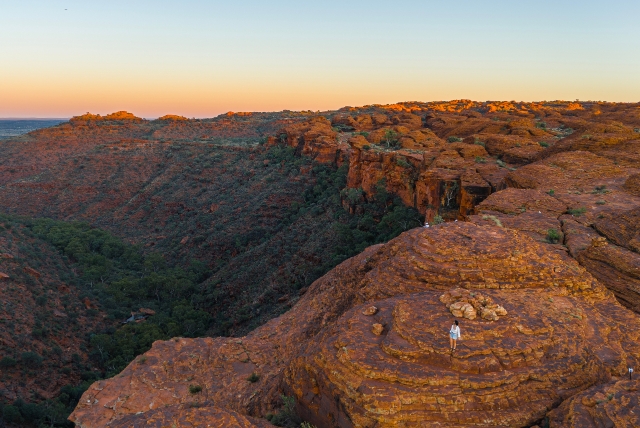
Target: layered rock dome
x,y
562,334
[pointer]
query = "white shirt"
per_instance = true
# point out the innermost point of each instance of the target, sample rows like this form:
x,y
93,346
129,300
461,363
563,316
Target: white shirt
x,y
455,329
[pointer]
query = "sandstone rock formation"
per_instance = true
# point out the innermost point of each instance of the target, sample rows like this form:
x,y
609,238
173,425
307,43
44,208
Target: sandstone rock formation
x,y
189,416
544,252
348,365
613,404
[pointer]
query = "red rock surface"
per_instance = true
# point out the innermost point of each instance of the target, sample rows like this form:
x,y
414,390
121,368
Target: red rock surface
x,y
613,404
550,192
439,152
561,334
189,416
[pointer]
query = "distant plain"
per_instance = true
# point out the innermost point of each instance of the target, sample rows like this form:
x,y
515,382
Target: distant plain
x,y
14,127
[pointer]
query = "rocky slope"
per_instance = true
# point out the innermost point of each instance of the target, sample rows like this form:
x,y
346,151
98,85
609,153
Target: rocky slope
x,y
43,319
348,364
244,211
563,173
539,267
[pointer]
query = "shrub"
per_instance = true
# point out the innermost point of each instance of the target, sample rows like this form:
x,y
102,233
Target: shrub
x,y
438,219
577,211
599,190
493,218
543,144
553,236
601,202
7,362
194,389
402,162
501,163
551,192
542,125
480,159
352,196
453,139
31,359
366,147
11,414
253,378
480,143
287,416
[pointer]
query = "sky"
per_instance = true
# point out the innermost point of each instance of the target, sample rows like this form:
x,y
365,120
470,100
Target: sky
x,y
204,58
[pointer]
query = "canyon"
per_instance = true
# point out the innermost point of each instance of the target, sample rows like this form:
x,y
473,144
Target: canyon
x,y
532,241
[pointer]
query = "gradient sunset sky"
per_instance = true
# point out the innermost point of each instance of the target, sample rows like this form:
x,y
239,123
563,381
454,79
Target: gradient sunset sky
x,y
203,58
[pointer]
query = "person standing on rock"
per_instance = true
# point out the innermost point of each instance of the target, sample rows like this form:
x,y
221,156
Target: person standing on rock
x,y
454,335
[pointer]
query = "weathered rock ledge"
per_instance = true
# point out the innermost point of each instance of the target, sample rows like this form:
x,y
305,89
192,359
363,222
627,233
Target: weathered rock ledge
x,y
562,333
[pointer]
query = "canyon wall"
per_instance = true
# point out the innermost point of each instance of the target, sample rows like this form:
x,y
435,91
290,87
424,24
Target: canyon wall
x,y
536,269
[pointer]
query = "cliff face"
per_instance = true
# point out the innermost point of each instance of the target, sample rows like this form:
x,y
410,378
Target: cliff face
x,y
445,158
448,160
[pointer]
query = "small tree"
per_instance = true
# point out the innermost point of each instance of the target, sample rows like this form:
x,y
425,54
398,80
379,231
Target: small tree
x,y
391,138
450,194
31,359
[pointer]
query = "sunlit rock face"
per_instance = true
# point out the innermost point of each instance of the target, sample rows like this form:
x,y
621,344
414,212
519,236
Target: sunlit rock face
x,y
540,269
556,332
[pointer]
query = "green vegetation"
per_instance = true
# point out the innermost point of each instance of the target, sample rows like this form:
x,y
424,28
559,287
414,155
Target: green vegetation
x,y
480,159
541,125
601,190
402,162
123,280
287,416
453,139
48,413
194,389
543,144
553,236
253,378
7,362
501,163
577,211
437,219
493,218
31,359
189,298
551,192
391,139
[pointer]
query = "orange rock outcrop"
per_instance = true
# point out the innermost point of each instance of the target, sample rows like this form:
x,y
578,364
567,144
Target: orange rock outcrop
x,y
613,404
541,269
348,365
